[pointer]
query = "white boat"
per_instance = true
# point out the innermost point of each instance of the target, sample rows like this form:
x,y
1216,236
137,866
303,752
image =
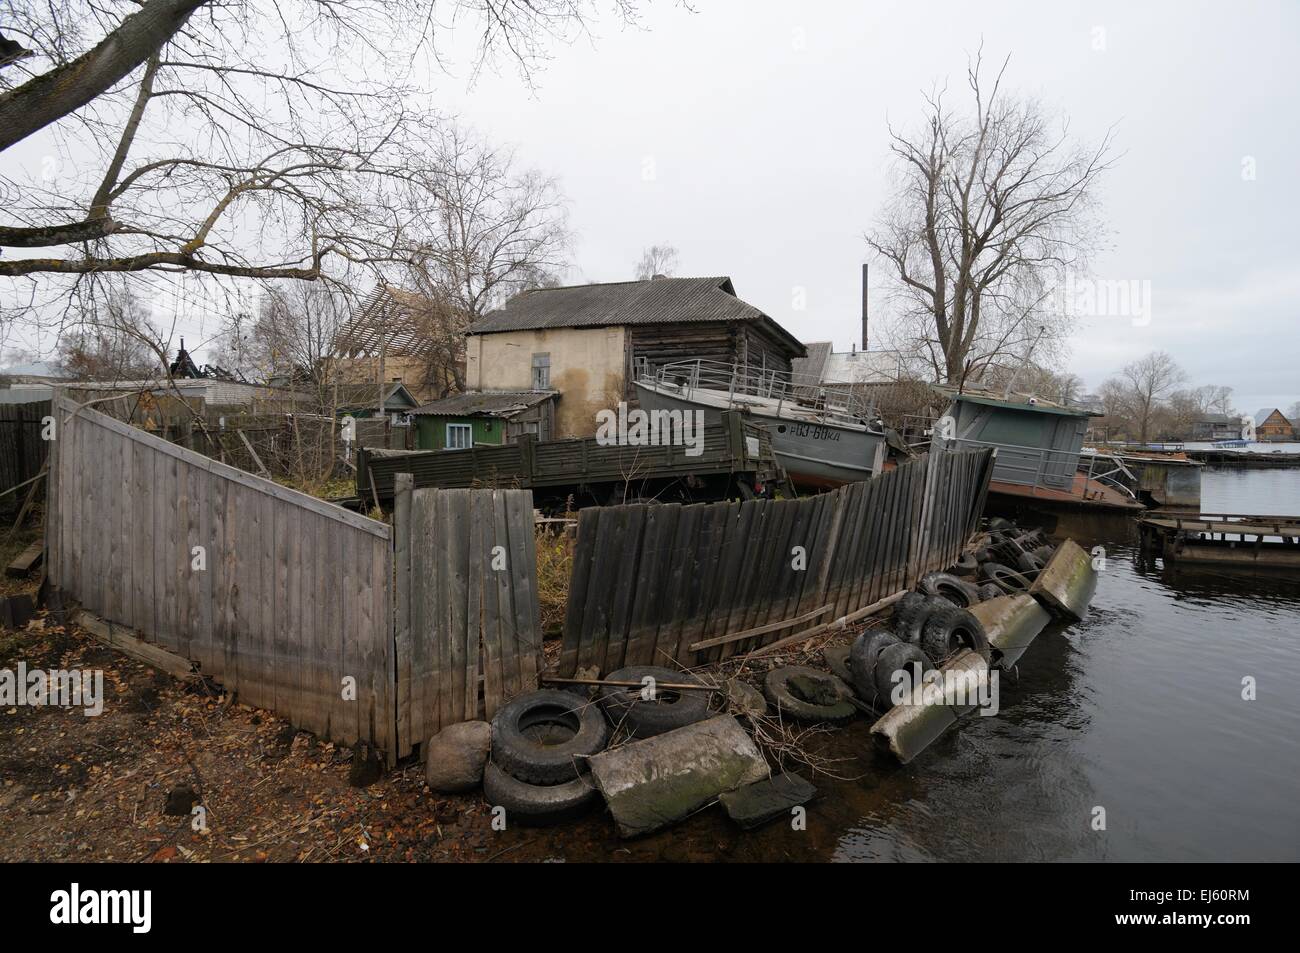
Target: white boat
x,y
824,435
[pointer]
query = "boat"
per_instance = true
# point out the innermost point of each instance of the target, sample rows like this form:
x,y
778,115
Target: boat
x,y
1040,465
1230,444
1224,539
825,435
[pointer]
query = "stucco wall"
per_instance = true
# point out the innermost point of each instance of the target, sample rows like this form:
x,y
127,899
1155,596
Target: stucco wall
x,y
587,369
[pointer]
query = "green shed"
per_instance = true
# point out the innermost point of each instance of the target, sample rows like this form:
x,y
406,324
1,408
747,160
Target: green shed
x,y
483,418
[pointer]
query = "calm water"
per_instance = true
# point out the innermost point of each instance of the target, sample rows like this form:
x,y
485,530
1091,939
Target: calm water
x,y
1137,709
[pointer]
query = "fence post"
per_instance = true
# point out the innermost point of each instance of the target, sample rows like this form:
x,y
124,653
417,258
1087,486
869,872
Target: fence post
x,y
403,485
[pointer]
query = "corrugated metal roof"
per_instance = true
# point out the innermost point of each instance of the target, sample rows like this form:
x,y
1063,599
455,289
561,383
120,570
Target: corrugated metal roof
x,y
808,370
656,301
484,403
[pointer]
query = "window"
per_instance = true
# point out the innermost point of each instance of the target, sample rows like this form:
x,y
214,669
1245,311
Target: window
x,y
460,436
542,371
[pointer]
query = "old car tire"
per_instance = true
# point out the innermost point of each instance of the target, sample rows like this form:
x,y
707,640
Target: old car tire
x,y
909,609
946,631
782,686
943,585
669,710
891,659
989,591
866,648
1045,552
966,565
537,804
525,758
837,660
997,524
1005,575
1028,562
909,630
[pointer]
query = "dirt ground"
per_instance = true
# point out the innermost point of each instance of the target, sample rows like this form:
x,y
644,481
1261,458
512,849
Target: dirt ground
x,y
74,787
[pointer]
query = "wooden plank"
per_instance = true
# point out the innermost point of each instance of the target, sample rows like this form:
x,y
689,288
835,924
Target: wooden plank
x,y
727,585
703,565
27,560
528,627
673,597
653,571
492,580
584,551
458,549
402,604
127,641
625,586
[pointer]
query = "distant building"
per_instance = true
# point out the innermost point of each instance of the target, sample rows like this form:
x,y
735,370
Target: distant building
x,y
1216,427
409,335
585,341
1270,424
826,366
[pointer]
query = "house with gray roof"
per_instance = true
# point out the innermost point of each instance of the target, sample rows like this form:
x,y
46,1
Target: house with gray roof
x,y
584,342
483,417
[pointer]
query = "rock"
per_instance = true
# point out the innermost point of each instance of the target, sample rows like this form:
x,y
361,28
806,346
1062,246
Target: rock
x,y
755,804
180,801
454,757
745,700
653,783
366,766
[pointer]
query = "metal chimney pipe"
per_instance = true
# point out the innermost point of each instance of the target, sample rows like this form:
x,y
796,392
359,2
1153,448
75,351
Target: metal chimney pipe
x,y
864,307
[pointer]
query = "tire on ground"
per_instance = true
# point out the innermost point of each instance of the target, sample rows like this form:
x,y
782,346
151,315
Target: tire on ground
x,y
670,709
1005,576
947,631
537,804
837,660
892,659
529,760
989,590
943,585
866,648
910,608
966,565
807,694
1028,562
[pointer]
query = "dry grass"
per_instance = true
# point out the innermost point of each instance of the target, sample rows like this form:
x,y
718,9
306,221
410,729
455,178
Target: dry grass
x,y
554,567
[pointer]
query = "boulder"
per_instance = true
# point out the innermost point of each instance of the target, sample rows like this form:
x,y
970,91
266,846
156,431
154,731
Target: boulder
x,y
656,782
745,700
755,804
454,757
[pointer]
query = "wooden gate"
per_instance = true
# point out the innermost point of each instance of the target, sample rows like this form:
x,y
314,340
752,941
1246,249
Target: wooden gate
x,y
467,622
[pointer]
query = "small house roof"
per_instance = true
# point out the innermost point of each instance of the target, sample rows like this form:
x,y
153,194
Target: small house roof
x,y
396,396
484,403
808,370
654,301
1264,413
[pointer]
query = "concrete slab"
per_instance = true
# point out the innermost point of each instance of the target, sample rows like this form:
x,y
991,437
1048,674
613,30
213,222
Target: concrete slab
x,y
656,782
1067,583
1012,623
756,804
908,729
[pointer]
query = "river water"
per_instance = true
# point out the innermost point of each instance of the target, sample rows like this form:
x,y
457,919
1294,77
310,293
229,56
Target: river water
x,y
1137,710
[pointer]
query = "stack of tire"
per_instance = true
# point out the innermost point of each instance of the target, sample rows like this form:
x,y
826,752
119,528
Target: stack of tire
x,y
1009,557
929,626
540,745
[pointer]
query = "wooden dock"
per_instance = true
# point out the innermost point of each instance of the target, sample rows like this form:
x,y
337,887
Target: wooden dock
x,y
1224,539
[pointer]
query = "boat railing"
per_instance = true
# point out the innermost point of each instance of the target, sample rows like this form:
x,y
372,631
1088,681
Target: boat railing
x,y
832,403
1041,467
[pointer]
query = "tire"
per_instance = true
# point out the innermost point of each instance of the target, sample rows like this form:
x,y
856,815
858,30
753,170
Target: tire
x,y
525,758
945,632
966,565
910,629
944,585
866,648
989,591
837,660
909,609
535,805
1045,552
891,659
669,710
1028,562
782,685
997,524
998,573
983,554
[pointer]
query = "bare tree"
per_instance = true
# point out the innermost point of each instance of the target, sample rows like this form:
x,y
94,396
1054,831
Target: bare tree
x,y
657,260
990,208
112,345
258,138
1137,394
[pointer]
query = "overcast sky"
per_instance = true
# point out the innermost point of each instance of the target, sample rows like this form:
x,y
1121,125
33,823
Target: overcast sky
x,y
765,124
752,136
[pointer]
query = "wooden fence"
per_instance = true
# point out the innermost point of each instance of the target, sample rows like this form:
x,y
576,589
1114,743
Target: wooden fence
x,y
22,451
467,619
651,581
277,595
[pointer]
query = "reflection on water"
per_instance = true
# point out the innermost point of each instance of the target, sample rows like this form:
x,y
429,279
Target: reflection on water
x,y
1138,710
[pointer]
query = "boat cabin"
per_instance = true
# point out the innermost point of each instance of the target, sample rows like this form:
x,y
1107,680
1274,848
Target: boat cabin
x,y
1038,442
